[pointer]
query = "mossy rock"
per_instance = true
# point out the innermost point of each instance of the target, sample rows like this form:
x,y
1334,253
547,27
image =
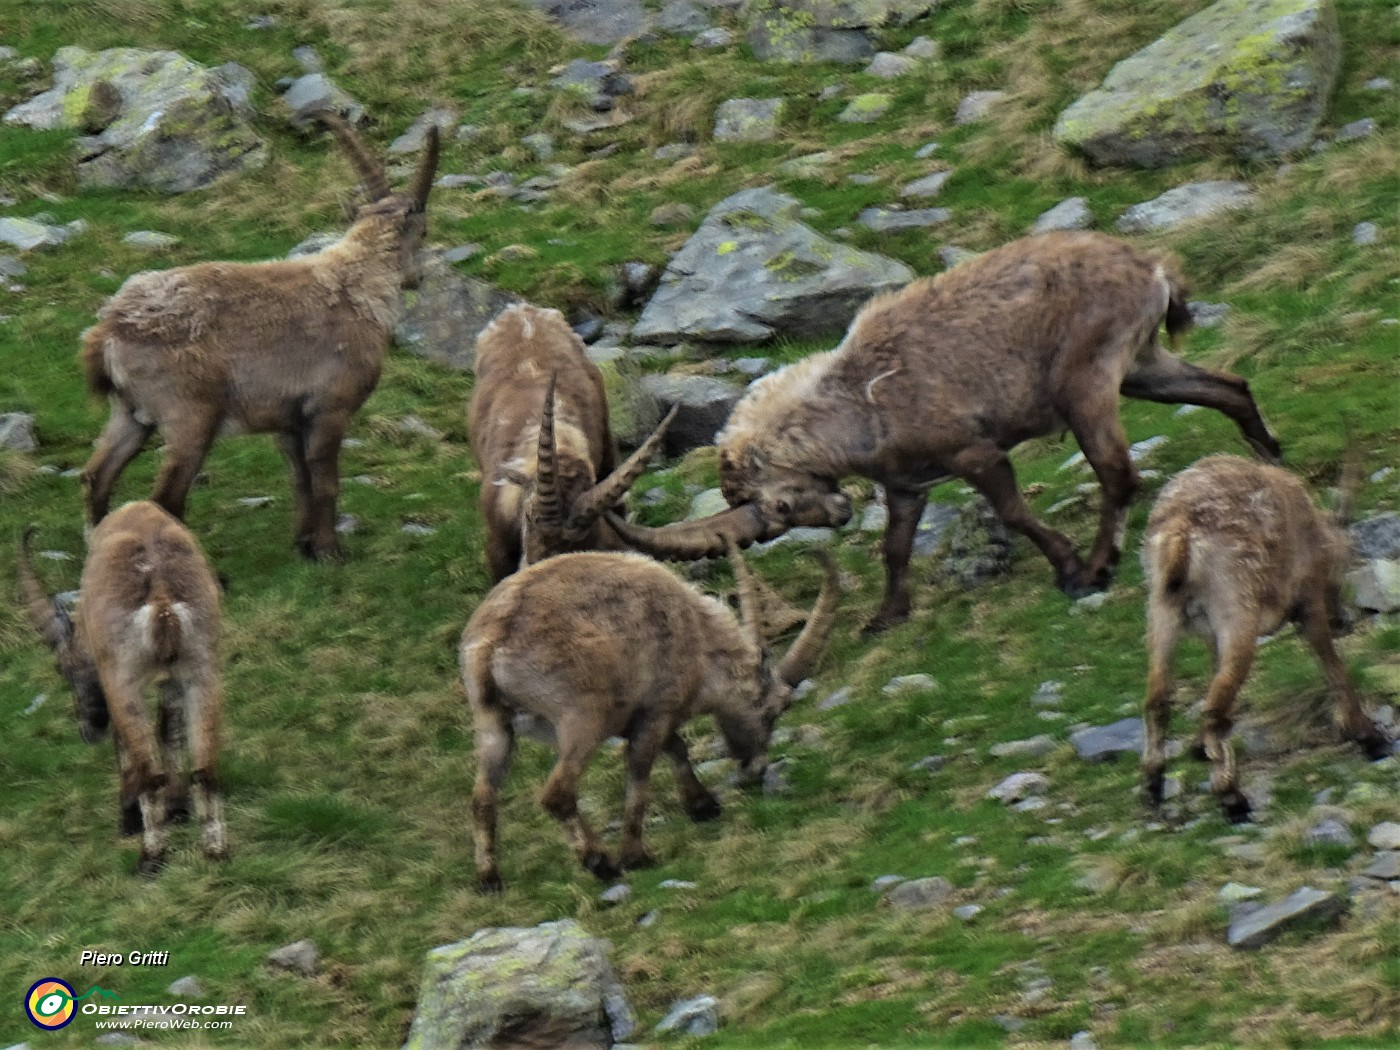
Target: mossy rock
x,y
1250,78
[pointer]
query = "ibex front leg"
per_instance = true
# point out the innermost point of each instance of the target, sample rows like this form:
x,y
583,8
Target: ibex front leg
x,y
560,797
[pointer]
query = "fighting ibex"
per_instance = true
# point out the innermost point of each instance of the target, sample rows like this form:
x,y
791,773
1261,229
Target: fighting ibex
x,y
148,613
1232,550
604,644
290,347
941,379
539,427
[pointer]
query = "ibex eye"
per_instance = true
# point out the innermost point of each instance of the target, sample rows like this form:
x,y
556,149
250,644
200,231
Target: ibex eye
x,y
784,507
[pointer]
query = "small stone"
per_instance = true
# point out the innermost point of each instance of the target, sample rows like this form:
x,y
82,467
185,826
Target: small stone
x,y
17,432
928,764
866,108
150,239
714,38
927,150
1365,233
1267,923
674,214
902,685
260,22
299,957
1207,315
461,253
1048,694
923,48
967,912
775,780
1034,747
753,367
1385,835
676,884
1030,805
308,59
748,119
1019,786
862,179
616,894
1070,214
1236,893
415,528
1379,84
1090,602
1385,865
920,893
255,501
887,65
1101,743
1191,202
885,220
928,186
698,1016
347,524
540,143
1138,450
882,883
976,105
186,988
951,255
648,919
1082,1041
673,151
1357,129
11,267
1008,1023
1329,831
414,425
840,697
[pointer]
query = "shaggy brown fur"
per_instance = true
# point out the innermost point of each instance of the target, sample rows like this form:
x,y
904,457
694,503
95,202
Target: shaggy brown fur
x,y
539,427
149,614
1232,550
290,347
941,379
600,645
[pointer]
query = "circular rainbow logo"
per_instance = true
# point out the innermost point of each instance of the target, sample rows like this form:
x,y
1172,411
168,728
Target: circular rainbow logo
x,y
49,1003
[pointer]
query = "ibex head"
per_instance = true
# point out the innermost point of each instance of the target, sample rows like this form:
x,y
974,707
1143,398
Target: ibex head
x,y
75,664
407,210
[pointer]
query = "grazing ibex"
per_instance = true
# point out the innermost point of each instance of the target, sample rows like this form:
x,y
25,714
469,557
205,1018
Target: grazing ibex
x,y
1232,550
539,427
290,347
941,379
148,613
607,644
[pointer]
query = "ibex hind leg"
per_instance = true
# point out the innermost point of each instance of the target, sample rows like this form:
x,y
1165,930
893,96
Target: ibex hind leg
x,y
699,803
202,708
173,744
905,509
187,442
560,800
1166,378
495,746
122,440
1099,431
1217,720
1353,723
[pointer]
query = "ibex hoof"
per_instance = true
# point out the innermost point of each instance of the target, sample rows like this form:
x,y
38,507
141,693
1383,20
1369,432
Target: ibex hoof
x,y
332,553
883,621
1236,808
150,864
705,808
1079,584
177,812
601,865
1153,790
637,860
130,820
1376,745
489,882
1197,750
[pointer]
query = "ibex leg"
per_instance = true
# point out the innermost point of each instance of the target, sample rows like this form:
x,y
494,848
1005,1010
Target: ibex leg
x,y
1351,720
122,438
1167,378
698,802
905,508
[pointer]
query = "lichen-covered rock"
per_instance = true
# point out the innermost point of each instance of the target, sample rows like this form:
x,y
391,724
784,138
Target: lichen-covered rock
x,y
979,547
976,105
866,109
551,985
443,316
153,118
1247,77
801,31
753,271
596,21
748,119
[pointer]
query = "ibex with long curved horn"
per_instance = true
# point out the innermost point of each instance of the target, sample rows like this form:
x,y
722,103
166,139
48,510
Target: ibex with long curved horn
x,y
291,347
941,379
1233,550
148,614
604,644
539,427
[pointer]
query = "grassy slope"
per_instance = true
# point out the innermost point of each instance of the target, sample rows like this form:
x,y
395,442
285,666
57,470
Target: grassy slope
x,y
348,762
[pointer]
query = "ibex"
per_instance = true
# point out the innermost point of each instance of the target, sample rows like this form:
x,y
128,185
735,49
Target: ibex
x,y
289,347
1232,550
148,614
941,379
539,427
610,644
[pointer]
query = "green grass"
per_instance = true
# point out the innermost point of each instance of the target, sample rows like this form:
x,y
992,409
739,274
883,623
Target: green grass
x,y
348,759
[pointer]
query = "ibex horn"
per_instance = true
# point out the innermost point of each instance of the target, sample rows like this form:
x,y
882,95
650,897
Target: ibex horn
x,y
798,661
371,172
606,494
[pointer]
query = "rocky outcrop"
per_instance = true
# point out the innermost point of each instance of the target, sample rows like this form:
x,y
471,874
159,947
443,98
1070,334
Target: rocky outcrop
x,y
1246,77
800,31
753,271
550,985
596,21
443,316
150,118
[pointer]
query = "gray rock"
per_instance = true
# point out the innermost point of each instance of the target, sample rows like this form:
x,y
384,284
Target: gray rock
x,y
1329,831
674,214
697,1016
927,150
444,118
1365,233
673,151
461,253
928,186
1033,747
442,318
299,957
1101,743
1385,865
416,528
1235,893
313,92
308,59
1019,786
1188,203
920,893
1357,129
978,547
596,21
711,39
616,894
839,698
682,18
1070,214
540,143
116,1039
1082,1041
929,764
748,119
935,522
1207,315
775,779
753,367
316,242
28,234
676,884
951,255
1267,923
186,988
1007,1023
1385,836
905,684
775,36
874,518
1377,536
887,65
885,220
1140,450
150,239
550,985
1245,77
976,105
1377,585
10,267
1048,694
922,47
705,403
967,912
866,109
753,271
17,432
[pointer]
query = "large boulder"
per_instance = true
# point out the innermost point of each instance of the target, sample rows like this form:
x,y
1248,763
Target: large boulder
x,y
824,30
704,404
596,21
443,316
1245,77
551,985
752,271
151,118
